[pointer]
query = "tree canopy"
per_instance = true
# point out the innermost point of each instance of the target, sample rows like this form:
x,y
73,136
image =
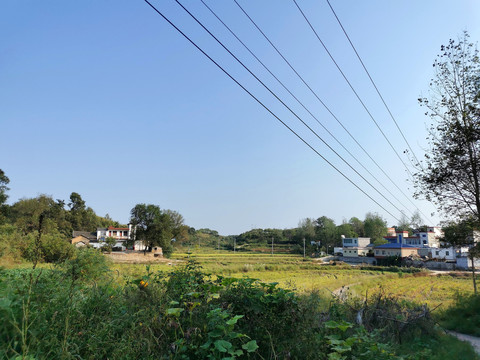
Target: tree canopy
x,y
449,175
157,227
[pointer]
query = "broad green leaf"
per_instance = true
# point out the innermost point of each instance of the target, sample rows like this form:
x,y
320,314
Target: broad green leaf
x,y
222,345
234,320
174,311
251,346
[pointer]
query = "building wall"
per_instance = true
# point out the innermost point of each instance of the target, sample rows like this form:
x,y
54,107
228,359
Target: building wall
x,y
355,242
80,240
403,252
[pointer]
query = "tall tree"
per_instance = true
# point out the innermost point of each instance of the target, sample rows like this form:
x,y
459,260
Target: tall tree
x,y
375,227
80,216
450,173
462,233
326,231
4,180
404,224
152,226
357,226
416,220
306,230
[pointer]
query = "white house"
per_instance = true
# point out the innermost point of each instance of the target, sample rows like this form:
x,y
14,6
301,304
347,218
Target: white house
x,y
360,242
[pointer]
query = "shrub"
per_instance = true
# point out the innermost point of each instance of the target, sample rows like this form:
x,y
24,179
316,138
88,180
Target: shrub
x,y
464,315
86,264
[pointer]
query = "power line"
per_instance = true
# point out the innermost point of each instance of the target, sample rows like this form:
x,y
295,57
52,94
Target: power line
x,y
284,104
356,94
373,83
301,103
351,87
320,100
266,108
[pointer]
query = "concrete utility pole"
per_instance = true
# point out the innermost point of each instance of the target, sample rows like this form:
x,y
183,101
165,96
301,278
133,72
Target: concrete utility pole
x,y
234,244
272,245
303,247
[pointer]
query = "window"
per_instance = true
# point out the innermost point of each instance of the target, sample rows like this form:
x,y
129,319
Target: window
x,y
437,252
355,241
447,253
383,252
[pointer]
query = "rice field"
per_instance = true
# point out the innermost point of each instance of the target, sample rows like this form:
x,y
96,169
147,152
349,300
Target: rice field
x,y
306,274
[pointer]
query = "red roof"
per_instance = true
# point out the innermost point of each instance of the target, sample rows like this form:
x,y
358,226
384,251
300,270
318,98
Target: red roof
x,y
114,228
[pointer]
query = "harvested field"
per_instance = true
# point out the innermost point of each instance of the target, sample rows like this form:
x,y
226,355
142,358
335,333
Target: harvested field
x,y
139,258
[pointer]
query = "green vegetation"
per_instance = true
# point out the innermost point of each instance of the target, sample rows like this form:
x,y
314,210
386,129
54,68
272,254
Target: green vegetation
x,y
79,310
464,315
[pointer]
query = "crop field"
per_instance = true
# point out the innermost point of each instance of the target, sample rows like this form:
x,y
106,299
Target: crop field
x,y
306,274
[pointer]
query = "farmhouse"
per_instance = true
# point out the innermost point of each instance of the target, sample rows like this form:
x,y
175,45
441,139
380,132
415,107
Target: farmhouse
x,y
83,238
395,249
429,238
355,252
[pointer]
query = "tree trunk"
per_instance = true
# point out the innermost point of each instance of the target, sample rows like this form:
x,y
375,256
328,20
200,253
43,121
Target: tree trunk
x,y
473,276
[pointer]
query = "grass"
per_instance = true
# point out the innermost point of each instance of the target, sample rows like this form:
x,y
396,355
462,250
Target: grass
x,y
305,276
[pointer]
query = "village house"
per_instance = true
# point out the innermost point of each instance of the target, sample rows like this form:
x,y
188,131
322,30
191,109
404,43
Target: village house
x,y
395,249
83,238
429,238
354,247
97,238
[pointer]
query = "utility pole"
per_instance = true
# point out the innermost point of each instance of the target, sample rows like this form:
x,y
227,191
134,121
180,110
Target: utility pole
x,y
272,245
219,243
303,247
234,243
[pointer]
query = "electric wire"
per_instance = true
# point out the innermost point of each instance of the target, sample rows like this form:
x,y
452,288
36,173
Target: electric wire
x,y
352,88
326,107
373,82
284,104
356,94
302,104
268,109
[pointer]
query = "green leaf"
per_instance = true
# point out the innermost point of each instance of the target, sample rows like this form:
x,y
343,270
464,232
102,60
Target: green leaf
x,y
342,348
251,346
234,320
215,333
174,311
222,345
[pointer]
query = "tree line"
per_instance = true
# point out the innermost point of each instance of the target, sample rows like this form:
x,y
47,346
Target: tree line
x,y
55,220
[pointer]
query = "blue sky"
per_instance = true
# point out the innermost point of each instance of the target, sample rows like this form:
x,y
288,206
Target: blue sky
x,y
105,99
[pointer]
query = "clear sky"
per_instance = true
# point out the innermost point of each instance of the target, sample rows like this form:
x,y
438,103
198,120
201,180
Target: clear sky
x,y
104,98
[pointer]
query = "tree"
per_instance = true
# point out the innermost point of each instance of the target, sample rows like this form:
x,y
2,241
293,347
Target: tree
x,y
153,226
449,175
109,243
375,228
416,220
306,230
80,216
179,229
404,224
326,231
4,180
462,233
357,226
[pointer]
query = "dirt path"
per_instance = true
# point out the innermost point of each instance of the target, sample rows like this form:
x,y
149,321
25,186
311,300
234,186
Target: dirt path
x,y
474,341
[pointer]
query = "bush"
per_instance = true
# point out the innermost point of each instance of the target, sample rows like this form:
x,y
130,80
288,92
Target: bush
x,y
87,264
184,314
464,315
